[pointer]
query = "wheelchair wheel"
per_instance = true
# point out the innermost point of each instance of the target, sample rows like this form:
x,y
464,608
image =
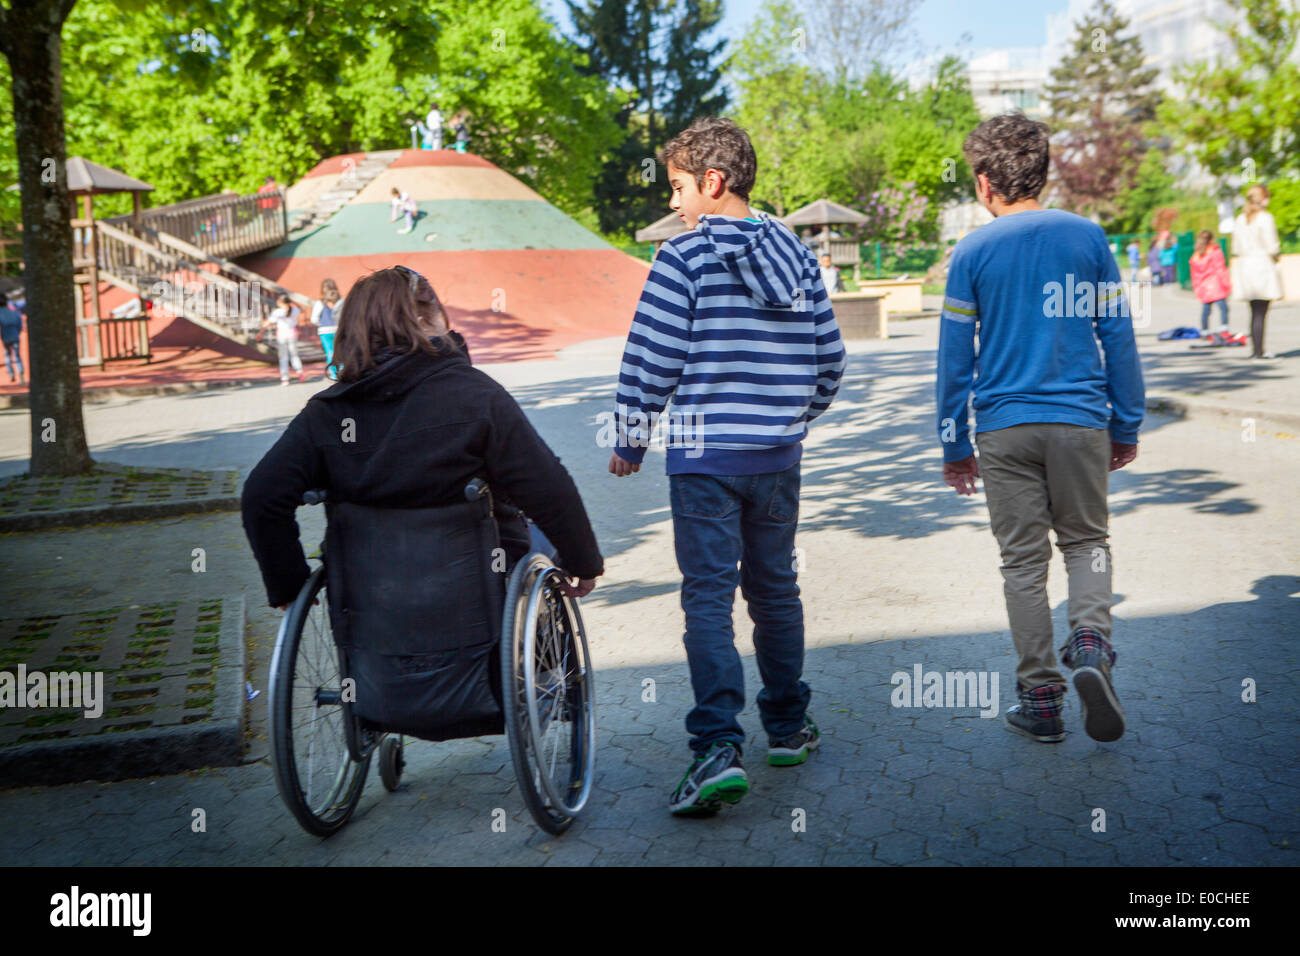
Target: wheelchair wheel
x,y
547,695
391,762
317,777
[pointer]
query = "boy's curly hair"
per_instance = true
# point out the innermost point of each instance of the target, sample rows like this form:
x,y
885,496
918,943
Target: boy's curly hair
x,y
1013,152
713,143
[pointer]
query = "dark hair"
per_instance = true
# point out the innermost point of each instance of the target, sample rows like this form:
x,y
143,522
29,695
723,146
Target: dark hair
x,y
381,313
1013,152
4,299
714,143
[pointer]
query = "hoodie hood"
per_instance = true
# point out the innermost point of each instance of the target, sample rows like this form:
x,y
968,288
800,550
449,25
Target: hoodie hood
x,y
396,374
766,256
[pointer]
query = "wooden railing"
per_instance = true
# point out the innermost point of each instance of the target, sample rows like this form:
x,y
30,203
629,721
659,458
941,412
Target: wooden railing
x,y
225,225
211,292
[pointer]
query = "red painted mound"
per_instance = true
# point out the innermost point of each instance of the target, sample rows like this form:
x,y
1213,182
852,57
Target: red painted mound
x,y
562,306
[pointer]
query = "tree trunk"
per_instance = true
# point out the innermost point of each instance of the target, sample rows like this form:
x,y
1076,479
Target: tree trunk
x,y
33,42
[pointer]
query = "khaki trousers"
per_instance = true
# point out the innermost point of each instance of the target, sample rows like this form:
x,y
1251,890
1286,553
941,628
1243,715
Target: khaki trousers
x,y
1042,476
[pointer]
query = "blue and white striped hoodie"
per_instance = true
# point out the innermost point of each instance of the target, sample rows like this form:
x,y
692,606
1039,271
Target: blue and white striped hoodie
x,y
735,327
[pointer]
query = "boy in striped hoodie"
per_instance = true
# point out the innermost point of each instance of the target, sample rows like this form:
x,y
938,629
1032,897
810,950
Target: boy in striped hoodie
x,y
735,327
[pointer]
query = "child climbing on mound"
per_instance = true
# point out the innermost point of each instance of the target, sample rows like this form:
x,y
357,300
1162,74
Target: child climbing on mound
x,y
404,206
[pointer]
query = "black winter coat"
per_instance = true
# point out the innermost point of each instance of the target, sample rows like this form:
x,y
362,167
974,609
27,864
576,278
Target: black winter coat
x,y
411,434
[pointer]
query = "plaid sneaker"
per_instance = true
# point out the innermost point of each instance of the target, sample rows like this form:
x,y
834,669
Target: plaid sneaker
x,y
1038,715
1091,657
713,779
794,749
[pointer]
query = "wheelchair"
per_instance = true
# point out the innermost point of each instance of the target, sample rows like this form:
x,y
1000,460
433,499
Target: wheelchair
x,y
367,656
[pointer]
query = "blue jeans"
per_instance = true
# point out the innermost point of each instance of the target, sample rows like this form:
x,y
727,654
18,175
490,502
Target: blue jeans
x,y
731,530
13,356
1205,313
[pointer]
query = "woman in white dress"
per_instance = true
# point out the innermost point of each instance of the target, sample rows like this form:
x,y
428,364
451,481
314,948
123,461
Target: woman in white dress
x,y
1255,250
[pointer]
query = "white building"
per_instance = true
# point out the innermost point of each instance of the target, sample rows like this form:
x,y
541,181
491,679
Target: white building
x,y
1010,80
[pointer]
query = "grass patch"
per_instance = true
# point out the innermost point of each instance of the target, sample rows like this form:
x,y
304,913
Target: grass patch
x,y
151,678
135,710
48,720
141,694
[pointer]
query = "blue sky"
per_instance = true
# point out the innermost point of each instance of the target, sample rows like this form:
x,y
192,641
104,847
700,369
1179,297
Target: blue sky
x,y
940,23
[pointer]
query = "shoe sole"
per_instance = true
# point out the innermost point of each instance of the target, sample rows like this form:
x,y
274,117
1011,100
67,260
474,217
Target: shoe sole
x,y
780,757
1041,738
729,788
1103,718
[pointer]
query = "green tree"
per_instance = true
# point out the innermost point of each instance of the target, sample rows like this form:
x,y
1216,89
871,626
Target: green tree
x,y
1100,99
658,52
1284,204
1152,188
860,142
781,106
206,96
1241,116
535,109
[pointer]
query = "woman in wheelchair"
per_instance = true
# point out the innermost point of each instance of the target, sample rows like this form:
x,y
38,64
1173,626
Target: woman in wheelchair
x,y
408,425
418,635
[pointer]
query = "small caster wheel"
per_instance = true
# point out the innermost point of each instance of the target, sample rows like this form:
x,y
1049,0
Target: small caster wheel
x,y
391,762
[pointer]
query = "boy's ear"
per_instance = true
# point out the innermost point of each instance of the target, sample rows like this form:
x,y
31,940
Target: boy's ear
x,y
715,183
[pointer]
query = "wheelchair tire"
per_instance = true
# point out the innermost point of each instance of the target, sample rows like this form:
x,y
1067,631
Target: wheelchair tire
x,y
319,781
391,762
547,695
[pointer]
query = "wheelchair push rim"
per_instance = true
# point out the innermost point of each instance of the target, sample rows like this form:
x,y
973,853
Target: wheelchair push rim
x,y
550,703
318,780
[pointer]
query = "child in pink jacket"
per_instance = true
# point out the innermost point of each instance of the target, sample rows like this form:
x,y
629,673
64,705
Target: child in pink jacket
x,y
1210,280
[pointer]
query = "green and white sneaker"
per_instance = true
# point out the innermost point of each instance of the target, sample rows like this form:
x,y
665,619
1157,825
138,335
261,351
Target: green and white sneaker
x,y
711,780
794,749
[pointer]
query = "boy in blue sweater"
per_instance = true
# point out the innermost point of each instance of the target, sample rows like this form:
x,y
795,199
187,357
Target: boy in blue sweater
x,y
734,325
1040,288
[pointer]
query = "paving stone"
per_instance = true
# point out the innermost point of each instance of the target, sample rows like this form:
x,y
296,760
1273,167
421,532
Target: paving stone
x,y
900,848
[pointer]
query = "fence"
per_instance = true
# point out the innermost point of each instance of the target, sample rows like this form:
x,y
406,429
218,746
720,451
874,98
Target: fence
x,y
227,225
1184,246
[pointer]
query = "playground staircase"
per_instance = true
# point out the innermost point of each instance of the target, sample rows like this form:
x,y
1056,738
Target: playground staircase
x,y
355,177
212,292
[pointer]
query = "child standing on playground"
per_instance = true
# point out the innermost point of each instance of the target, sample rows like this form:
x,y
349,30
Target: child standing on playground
x,y
11,334
1210,280
735,327
461,130
285,319
324,315
1134,259
1052,419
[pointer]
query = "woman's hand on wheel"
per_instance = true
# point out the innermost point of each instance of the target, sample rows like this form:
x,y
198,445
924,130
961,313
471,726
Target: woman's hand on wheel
x,y
584,587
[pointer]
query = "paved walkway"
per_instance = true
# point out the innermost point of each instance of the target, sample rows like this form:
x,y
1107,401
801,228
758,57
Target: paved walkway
x,y
898,572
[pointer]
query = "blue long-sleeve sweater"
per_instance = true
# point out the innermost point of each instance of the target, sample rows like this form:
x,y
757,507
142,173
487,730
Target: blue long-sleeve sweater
x,y
1041,289
735,327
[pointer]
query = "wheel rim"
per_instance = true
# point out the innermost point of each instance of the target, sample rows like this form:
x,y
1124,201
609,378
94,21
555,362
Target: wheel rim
x,y
321,768
557,697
